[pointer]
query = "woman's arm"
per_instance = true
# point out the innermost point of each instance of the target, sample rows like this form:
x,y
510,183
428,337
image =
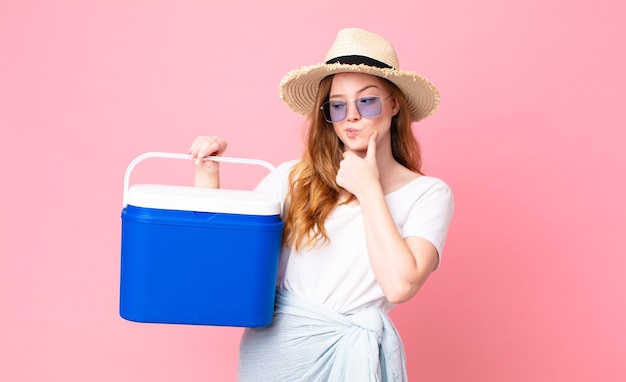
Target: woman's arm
x,y
400,265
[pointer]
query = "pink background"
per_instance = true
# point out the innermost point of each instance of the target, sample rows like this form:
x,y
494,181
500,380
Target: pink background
x,y
530,135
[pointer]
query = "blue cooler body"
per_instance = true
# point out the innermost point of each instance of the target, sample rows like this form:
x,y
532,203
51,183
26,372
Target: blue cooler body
x,y
199,256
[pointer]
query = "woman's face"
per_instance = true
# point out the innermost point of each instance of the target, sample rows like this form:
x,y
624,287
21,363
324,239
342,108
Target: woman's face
x,y
355,129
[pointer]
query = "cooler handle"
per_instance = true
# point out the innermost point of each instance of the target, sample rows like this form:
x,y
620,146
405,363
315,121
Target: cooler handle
x,y
258,162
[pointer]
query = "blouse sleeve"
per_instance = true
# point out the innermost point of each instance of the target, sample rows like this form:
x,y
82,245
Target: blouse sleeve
x,y
430,216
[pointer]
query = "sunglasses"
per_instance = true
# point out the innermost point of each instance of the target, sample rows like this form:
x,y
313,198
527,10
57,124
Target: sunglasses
x,y
368,107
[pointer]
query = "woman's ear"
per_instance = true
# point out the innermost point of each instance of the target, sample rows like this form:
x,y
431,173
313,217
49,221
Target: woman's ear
x,y
396,106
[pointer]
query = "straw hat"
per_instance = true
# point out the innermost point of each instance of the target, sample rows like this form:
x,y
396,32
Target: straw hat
x,y
357,50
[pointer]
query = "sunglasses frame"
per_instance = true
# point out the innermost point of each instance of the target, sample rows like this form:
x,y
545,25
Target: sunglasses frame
x,y
356,105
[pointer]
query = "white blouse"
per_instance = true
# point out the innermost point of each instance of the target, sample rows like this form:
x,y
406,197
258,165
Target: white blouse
x,y
338,274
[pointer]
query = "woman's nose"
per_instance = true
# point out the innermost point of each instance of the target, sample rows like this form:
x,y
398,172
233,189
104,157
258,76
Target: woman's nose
x,y
352,112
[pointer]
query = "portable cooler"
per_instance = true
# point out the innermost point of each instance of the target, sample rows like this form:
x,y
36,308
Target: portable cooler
x,y
199,256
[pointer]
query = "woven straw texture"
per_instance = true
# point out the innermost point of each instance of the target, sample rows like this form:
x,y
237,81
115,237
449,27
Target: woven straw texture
x,y
299,87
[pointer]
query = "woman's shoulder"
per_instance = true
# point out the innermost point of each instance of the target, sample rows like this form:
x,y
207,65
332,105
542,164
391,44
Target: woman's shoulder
x,y
432,181
287,165
424,185
284,168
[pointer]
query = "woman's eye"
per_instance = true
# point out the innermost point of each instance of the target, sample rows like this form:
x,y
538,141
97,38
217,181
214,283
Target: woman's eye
x,y
337,105
367,100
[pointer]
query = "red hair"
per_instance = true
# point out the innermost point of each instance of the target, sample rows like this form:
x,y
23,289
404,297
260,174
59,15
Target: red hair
x,y
313,190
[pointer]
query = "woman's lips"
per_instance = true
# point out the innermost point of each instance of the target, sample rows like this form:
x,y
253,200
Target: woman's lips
x,y
351,133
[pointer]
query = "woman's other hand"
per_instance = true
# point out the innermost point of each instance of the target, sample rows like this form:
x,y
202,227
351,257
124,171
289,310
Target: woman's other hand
x,y
207,171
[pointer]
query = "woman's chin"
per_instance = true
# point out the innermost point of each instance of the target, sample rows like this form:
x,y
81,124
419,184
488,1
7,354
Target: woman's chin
x,y
360,150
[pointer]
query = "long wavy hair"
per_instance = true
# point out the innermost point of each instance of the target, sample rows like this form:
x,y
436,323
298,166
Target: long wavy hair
x,y
313,190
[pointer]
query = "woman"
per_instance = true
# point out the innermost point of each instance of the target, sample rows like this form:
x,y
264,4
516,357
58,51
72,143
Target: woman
x,y
364,228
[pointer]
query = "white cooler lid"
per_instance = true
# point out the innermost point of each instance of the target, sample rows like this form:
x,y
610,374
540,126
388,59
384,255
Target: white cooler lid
x,y
203,199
